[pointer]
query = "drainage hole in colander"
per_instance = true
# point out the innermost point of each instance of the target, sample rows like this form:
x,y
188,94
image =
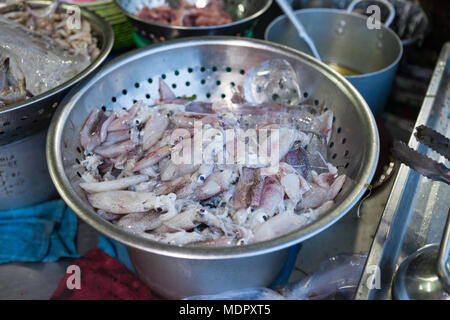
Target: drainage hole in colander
x,y
150,80
339,130
208,95
203,81
163,76
78,150
346,153
113,99
78,174
214,69
188,83
77,161
174,85
344,141
148,96
190,70
124,91
316,102
223,95
331,145
242,71
346,165
233,84
334,156
177,73
134,101
334,119
218,82
202,69
305,94
228,69
137,85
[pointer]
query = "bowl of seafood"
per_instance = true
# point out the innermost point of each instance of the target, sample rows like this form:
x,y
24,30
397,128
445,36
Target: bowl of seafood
x,y
164,20
208,165
45,48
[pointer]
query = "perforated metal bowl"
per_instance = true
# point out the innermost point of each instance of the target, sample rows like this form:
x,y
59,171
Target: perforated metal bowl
x,y
244,12
207,68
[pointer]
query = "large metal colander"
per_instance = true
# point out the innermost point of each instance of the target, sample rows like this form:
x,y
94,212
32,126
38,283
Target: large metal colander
x,y
208,68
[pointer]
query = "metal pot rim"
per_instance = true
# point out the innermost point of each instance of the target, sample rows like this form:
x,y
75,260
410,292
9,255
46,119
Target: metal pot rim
x,y
352,14
83,210
104,51
205,28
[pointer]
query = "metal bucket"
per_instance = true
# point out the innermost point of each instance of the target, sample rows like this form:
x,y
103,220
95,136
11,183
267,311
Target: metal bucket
x,y
411,23
344,39
24,178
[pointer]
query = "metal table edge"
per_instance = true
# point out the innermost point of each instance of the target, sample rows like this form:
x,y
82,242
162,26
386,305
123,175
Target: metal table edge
x,y
398,208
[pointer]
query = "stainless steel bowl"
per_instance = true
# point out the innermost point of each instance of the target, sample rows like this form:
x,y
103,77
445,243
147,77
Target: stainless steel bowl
x,y
25,181
25,118
206,67
245,12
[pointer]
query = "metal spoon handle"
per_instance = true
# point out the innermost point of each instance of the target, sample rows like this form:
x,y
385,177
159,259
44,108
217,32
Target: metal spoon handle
x,y
299,26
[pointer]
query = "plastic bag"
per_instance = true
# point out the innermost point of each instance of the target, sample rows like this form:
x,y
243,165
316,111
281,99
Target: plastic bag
x,y
336,279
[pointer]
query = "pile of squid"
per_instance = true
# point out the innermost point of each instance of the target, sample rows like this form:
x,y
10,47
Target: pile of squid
x,y
134,179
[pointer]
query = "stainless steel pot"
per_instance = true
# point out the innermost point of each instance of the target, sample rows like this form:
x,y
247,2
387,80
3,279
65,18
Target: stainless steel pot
x,y
28,119
344,39
411,22
206,67
245,12
24,178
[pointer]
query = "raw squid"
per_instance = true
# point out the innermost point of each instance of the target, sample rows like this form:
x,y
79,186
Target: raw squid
x,y
172,173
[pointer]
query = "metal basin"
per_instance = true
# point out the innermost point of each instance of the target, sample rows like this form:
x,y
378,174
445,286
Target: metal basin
x,y
24,178
244,12
345,40
28,119
205,67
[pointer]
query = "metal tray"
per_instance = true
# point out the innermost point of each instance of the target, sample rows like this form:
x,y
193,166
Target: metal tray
x,y
416,212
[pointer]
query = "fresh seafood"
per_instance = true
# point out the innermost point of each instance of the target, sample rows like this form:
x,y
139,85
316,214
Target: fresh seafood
x,y
187,15
39,50
11,90
202,174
